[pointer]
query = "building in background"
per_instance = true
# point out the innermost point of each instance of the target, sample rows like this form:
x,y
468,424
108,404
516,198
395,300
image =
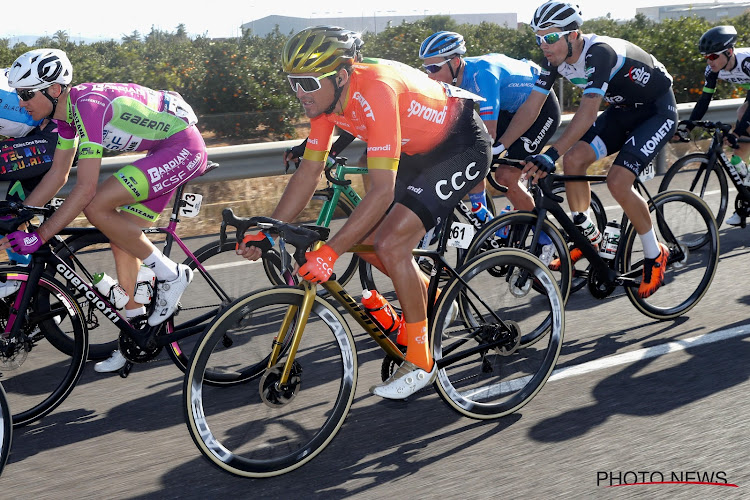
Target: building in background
x,y
372,24
711,12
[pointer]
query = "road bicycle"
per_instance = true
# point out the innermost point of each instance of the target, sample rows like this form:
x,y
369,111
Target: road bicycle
x,y
292,409
52,314
215,283
706,173
681,220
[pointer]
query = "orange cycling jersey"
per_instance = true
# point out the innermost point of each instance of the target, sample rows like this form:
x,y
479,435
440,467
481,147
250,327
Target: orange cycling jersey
x,y
394,108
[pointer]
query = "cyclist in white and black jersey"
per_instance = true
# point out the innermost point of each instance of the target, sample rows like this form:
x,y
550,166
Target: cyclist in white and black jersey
x,y
724,62
640,120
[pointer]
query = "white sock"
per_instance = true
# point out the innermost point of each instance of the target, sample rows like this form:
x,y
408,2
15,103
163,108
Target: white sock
x,y
164,268
132,313
650,244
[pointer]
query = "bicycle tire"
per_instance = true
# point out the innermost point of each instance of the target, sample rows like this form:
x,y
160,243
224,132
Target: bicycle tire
x,y
345,268
221,262
689,173
232,426
6,429
491,382
690,220
36,384
520,232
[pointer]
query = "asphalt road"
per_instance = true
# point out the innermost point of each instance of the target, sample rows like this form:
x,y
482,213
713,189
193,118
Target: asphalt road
x,y
632,400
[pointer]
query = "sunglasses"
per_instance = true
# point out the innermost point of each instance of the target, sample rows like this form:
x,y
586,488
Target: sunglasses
x,y
551,38
26,94
434,68
714,56
307,83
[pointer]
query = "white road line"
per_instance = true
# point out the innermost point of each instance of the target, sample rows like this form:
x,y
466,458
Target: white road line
x,y
650,352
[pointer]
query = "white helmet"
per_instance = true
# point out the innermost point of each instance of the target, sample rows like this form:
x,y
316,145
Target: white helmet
x,y
38,69
554,14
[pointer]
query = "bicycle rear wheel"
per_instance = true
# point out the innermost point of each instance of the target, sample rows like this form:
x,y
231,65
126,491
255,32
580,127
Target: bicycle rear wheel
x,y
6,429
259,429
519,226
36,374
485,372
694,254
690,173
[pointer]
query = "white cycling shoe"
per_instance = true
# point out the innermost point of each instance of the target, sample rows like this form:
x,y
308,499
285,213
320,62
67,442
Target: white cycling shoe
x,y
168,295
112,363
408,379
734,220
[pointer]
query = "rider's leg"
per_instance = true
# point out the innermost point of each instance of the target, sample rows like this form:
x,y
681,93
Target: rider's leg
x,y
399,234
620,183
575,162
508,176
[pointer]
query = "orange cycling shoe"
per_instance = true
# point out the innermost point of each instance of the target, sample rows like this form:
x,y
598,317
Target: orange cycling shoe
x,y
653,273
575,255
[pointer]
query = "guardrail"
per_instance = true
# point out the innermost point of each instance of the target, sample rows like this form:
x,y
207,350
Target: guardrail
x,y
264,159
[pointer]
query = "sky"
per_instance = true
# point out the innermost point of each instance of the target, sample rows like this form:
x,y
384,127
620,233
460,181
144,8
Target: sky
x,y
224,21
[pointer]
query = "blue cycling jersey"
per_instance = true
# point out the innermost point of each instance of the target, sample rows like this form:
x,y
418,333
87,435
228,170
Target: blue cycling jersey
x,y
14,120
504,82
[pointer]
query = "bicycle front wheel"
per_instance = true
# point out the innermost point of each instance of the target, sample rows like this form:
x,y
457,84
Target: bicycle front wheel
x,y
485,371
691,173
37,374
261,429
689,230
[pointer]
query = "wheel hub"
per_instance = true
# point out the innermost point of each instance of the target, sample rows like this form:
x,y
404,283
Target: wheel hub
x,y
273,393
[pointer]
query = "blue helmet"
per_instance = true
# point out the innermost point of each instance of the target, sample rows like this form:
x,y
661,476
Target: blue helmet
x,y
442,43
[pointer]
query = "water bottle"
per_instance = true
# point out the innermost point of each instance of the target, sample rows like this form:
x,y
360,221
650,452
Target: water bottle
x,y
610,240
21,260
741,169
381,311
588,228
109,287
482,212
144,285
503,232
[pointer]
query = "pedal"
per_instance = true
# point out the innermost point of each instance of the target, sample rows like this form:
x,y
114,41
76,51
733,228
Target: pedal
x,y
125,370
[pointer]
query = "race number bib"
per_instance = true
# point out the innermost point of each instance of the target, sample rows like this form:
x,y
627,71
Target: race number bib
x,y
461,235
647,173
191,205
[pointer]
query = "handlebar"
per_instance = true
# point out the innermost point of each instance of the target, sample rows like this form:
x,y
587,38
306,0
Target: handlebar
x,y
340,160
299,236
14,214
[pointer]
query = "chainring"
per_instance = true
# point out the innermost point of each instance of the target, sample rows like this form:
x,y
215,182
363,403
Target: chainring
x,y
598,286
134,353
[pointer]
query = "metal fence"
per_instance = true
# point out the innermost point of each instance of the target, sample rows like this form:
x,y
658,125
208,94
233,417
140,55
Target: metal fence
x,y
264,159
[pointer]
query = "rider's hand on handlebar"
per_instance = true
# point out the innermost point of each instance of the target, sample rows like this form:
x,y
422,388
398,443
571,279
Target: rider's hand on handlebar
x,y
733,140
540,165
24,243
319,265
683,130
253,246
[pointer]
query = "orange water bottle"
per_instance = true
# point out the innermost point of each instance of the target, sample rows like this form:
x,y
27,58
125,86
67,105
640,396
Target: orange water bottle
x,y
381,311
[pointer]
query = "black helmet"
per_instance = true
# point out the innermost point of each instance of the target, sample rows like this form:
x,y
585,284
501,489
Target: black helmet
x,y
717,39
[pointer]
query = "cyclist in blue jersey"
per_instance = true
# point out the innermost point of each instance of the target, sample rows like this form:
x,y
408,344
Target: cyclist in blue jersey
x,y
504,83
26,151
640,119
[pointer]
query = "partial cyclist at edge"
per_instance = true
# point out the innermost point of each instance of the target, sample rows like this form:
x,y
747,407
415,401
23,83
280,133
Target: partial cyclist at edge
x,y
505,84
426,148
641,117
724,62
92,117
26,150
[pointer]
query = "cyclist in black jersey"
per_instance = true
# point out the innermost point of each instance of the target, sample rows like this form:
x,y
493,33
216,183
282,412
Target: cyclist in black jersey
x,y
641,117
725,62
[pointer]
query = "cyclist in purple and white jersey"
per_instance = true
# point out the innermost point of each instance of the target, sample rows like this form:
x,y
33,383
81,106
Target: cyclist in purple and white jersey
x,y
724,62
504,83
92,117
640,119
